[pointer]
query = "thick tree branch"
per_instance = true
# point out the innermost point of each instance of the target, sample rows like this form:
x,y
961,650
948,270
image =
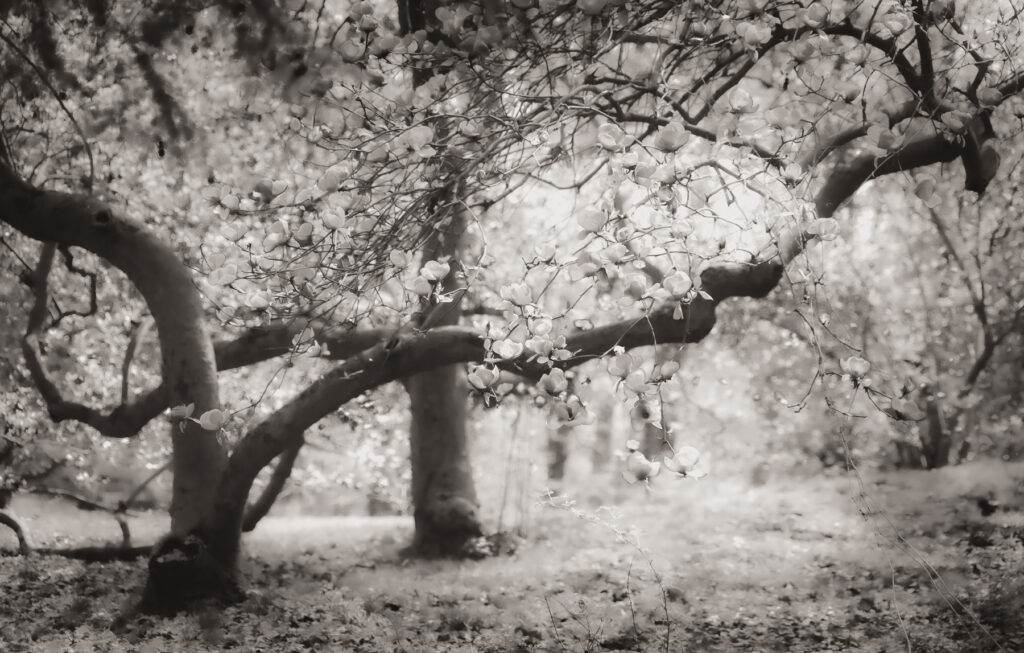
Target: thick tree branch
x,y
412,353
827,146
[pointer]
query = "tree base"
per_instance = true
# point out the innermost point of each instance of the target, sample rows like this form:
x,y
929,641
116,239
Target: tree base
x,y
444,528
183,574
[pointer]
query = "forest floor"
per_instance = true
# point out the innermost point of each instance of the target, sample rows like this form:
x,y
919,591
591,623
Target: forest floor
x,y
905,561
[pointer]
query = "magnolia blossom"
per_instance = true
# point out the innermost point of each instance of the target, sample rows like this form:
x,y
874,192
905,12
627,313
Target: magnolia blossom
x,y
639,468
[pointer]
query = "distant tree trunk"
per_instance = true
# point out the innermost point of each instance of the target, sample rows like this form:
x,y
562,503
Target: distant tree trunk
x,y
908,455
558,451
601,453
936,433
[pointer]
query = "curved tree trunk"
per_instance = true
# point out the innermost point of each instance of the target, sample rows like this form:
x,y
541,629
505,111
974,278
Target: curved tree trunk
x,y
188,371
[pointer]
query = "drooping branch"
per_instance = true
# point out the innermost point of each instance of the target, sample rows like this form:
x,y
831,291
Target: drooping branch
x,y
138,334
134,494
258,509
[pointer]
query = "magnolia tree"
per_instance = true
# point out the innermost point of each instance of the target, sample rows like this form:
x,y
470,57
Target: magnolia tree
x,y
713,142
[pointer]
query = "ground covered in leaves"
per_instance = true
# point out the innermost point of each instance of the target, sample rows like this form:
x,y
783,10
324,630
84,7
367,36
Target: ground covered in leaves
x,y
923,561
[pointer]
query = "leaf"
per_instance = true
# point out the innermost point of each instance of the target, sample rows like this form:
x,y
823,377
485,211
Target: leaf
x,y
258,301
507,348
636,382
482,377
671,137
213,419
621,365
638,468
519,294
554,382
330,180
677,284
668,369
793,173
741,101
855,366
334,219
304,232
957,120
399,259
223,275
435,270
273,241
925,189
990,97
611,136
592,220
815,15
420,286
683,461
541,326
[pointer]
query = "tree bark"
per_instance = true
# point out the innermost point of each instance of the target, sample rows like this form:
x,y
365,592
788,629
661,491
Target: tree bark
x,y
188,368
936,436
445,506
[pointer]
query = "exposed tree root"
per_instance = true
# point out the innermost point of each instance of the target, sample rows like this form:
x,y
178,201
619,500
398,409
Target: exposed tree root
x,y
10,522
182,574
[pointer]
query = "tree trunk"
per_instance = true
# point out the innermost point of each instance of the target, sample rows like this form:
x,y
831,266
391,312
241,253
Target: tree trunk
x,y
188,371
443,494
601,454
558,451
936,436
